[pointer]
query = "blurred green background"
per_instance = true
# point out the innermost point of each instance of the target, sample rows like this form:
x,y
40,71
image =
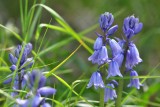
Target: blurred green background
x,y
81,15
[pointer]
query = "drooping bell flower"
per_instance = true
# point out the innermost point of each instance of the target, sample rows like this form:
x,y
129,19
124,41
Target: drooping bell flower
x,y
109,92
98,43
100,56
115,47
113,69
132,57
119,58
134,82
96,80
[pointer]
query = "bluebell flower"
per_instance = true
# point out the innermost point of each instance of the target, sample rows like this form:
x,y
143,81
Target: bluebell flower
x,y
113,69
109,92
100,56
96,80
34,101
13,68
24,64
106,21
36,83
45,91
119,58
12,59
36,78
131,26
134,82
115,47
98,43
112,30
132,57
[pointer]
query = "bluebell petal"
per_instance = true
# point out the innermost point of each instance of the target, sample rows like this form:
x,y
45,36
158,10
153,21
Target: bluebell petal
x,y
96,81
28,47
112,30
98,43
94,57
115,47
42,81
18,50
128,64
119,59
9,80
36,101
12,59
132,57
26,63
138,28
113,69
100,56
13,67
130,33
109,93
103,55
45,91
24,57
134,82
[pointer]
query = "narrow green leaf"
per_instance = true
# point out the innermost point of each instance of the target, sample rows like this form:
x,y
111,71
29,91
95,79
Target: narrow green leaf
x,y
68,86
54,69
62,22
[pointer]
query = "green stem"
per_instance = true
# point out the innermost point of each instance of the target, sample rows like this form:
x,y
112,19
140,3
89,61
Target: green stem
x,y
119,93
101,97
121,81
103,73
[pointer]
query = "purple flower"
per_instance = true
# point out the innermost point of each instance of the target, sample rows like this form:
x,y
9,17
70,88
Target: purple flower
x,y
106,21
100,56
109,93
115,47
98,43
112,30
35,101
13,59
24,64
134,82
114,69
96,80
45,91
13,67
119,59
131,26
132,57
35,77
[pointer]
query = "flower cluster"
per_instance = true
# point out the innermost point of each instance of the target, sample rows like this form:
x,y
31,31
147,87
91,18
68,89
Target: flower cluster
x,y
124,53
132,26
35,82
20,54
31,81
